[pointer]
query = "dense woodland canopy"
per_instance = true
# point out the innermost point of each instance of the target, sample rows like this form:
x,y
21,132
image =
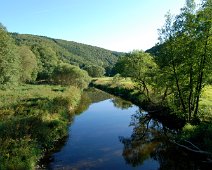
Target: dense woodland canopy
x,y
70,52
30,58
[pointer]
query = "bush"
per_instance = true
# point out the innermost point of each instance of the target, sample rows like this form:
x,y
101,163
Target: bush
x,y
94,70
66,74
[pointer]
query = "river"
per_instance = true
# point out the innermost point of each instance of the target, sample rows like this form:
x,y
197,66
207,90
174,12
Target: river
x,y
110,133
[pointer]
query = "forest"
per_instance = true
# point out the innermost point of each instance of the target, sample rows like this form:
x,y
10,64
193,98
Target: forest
x,y
42,80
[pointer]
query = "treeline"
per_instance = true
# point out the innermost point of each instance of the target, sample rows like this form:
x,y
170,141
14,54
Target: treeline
x,y
86,57
181,65
30,58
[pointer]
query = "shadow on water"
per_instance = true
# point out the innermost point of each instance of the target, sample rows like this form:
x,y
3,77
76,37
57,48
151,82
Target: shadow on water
x,y
43,163
150,139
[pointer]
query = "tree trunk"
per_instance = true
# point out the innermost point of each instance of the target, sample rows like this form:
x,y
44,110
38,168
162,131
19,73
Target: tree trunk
x,y
190,94
178,88
200,78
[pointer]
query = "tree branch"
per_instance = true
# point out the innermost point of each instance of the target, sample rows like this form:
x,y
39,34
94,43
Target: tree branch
x,y
191,150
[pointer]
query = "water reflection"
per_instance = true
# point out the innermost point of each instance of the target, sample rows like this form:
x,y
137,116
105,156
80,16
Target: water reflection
x,y
143,140
101,138
93,141
120,103
90,96
149,140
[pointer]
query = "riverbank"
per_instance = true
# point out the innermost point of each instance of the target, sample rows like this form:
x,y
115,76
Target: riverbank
x,y
124,88
199,134
32,119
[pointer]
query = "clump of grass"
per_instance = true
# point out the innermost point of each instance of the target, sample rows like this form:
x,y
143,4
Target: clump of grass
x,y
36,117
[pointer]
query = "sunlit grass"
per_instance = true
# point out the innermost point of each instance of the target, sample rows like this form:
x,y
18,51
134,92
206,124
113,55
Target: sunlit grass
x,y
205,110
32,119
120,82
12,96
206,102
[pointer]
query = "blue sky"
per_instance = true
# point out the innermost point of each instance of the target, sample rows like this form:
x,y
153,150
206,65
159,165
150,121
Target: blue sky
x,y
119,25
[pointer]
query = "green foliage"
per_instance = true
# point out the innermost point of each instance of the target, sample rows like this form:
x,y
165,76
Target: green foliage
x,y
66,74
116,79
3,27
94,70
70,52
184,57
9,60
29,65
47,60
22,151
140,67
200,135
99,56
33,120
206,104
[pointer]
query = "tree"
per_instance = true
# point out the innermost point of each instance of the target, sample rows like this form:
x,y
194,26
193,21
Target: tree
x,y
94,70
9,60
140,67
66,74
29,65
47,60
185,56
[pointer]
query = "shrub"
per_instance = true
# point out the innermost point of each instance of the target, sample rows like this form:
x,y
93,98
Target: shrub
x,y
66,74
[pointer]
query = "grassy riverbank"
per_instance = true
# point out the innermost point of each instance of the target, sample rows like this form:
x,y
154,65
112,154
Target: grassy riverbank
x,y
126,89
32,119
198,134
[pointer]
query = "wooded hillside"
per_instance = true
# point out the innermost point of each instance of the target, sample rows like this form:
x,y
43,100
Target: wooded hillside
x,y
68,51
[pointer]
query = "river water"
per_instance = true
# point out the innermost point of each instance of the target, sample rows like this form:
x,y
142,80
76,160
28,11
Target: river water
x,y
110,133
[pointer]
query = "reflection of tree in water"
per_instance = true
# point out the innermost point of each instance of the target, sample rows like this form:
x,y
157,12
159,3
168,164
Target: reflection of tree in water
x,y
171,157
143,140
120,103
90,96
149,139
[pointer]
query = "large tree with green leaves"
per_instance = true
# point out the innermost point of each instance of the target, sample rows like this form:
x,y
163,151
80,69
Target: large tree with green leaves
x,y
185,56
29,67
140,67
94,70
9,60
48,60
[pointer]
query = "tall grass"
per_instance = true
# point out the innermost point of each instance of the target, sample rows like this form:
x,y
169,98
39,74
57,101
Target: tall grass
x,y
32,119
206,103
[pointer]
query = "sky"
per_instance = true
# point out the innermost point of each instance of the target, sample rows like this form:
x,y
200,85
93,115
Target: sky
x,y
118,25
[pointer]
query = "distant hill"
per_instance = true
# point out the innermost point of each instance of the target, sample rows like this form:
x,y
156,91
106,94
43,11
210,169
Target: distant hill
x,y
69,51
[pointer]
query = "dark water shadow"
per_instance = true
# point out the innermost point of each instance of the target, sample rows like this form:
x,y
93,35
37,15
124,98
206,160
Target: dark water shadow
x,y
150,139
